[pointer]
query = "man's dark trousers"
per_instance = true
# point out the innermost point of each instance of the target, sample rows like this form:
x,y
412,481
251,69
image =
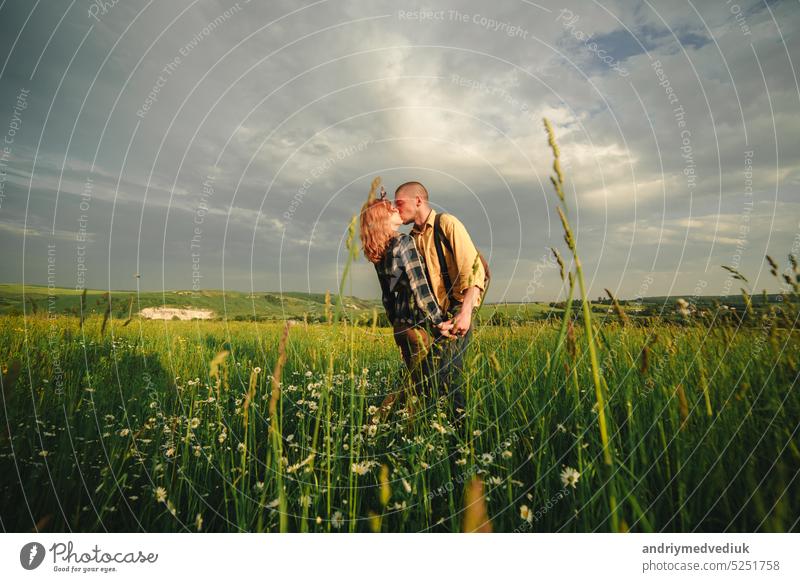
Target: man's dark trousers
x,y
444,368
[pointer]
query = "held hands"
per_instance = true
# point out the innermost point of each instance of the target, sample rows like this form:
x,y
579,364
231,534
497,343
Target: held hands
x,y
445,328
461,323
463,319
456,327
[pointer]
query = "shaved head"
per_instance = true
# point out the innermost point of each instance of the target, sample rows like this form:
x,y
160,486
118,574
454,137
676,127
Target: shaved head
x,y
410,189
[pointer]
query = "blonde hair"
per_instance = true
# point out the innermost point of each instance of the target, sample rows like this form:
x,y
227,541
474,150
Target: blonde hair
x,y
375,230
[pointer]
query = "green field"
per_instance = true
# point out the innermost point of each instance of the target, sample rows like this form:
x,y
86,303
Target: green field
x,y
126,429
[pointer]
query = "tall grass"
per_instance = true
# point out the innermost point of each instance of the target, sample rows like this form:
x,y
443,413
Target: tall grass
x,y
557,179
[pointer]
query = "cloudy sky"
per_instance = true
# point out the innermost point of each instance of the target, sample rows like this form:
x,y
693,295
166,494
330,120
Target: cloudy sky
x,y
227,144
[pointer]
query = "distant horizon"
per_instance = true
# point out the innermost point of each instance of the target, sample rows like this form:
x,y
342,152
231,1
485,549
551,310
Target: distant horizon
x,y
362,298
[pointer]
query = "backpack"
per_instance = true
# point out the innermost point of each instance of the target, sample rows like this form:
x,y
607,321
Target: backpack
x,y
440,241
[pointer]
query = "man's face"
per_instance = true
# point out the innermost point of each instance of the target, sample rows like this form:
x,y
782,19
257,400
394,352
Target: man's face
x,y
406,204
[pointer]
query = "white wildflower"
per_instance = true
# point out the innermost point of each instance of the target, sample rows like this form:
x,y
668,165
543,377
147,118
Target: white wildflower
x,y
570,476
363,467
161,494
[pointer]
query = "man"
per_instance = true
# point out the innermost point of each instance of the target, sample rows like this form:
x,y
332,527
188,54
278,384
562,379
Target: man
x,y
466,276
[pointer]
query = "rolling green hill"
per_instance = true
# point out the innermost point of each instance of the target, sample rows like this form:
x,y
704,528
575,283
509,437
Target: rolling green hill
x,y
223,304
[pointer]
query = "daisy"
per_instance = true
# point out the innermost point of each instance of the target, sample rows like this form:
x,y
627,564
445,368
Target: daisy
x,y
337,520
362,468
570,476
124,432
487,458
195,422
525,513
161,494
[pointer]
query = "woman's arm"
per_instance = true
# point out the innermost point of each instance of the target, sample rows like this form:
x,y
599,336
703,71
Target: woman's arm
x,y
412,265
386,297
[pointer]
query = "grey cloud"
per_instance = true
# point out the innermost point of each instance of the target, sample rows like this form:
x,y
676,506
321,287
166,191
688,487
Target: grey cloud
x,y
455,102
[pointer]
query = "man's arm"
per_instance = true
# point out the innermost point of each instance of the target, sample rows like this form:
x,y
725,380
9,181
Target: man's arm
x,y
471,273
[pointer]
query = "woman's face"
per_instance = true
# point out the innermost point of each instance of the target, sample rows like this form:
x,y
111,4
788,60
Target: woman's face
x,y
394,219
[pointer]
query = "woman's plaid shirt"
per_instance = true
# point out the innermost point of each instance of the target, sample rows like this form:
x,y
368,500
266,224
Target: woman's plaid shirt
x,y
406,295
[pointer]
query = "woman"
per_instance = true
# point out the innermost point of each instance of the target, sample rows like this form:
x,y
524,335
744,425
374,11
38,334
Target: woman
x,y
409,302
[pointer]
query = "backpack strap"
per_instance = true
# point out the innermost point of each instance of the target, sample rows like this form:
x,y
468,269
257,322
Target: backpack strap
x,y
440,239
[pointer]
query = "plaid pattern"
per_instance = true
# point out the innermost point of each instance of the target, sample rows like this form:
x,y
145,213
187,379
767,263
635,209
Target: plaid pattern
x,y
406,295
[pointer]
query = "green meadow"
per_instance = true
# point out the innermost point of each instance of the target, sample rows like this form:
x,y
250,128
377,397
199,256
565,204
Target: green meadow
x,y
131,429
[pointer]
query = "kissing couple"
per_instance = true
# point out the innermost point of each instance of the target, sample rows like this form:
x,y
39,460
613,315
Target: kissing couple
x,y
432,280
